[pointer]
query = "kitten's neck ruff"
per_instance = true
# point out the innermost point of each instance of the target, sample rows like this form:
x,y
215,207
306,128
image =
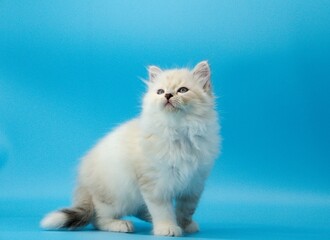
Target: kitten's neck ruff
x,y
175,134
179,124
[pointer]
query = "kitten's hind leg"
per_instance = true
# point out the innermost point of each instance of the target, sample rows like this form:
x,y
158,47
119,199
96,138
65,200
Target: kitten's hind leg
x,y
114,225
144,214
107,218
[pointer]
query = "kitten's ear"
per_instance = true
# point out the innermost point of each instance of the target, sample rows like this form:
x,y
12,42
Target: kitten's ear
x,y
153,73
202,74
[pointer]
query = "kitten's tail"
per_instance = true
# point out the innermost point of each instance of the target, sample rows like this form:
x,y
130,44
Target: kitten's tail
x,y
72,218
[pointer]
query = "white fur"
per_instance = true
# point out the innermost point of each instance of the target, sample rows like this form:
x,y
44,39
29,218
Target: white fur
x,y
53,220
164,154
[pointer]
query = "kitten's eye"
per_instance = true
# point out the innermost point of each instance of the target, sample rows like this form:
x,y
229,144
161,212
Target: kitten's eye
x,y
183,90
160,91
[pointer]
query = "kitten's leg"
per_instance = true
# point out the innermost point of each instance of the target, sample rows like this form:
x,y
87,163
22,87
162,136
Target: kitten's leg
x,y
163,216
144,214
108,219
185,209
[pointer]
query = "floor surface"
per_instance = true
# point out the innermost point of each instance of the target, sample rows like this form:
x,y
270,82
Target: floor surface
x,y
19,219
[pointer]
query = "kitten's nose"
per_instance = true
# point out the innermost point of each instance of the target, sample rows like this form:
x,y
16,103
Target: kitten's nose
x,y
168,95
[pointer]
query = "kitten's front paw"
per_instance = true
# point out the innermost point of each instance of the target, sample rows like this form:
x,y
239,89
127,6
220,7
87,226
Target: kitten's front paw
x,y
167,230
191,228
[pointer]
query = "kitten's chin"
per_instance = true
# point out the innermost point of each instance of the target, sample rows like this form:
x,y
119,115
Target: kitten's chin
x,y
169,107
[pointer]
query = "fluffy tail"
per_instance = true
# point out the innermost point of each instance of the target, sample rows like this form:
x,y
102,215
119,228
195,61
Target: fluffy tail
x,y
72,218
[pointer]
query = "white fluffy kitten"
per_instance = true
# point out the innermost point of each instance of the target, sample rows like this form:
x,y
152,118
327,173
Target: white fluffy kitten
x,y
153,167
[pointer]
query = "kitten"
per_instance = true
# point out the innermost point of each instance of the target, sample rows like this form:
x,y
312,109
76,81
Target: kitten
x,y
152,167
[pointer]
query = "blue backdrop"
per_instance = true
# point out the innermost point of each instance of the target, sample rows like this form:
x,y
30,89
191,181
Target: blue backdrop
x,y
69,72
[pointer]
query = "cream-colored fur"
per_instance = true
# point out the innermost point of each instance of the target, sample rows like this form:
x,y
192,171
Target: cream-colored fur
x,y
154,166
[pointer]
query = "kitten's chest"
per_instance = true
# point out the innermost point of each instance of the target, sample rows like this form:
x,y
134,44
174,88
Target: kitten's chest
x,y
177,160
179,151
175,177
174,147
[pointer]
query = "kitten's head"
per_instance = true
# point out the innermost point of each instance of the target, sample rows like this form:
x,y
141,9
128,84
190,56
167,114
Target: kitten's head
x,y
179,90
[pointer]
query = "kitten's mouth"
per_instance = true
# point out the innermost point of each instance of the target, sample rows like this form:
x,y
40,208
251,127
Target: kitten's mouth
x,y
169,105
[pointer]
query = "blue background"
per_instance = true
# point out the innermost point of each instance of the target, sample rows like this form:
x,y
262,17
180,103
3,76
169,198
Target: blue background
x,y
69,72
